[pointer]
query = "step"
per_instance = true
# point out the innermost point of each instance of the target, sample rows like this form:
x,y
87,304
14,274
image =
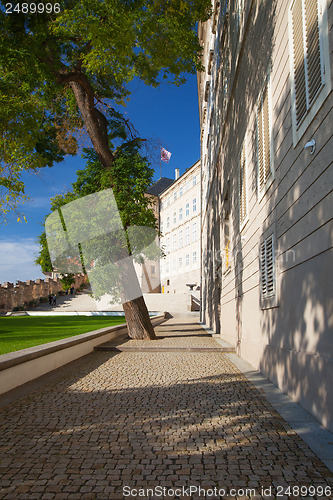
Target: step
x,y
121,348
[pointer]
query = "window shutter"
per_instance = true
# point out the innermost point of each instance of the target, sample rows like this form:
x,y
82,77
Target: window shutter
x,y
299,66
264,138
270,267
263,270
267,268
312,49
306,55
261,170
242,186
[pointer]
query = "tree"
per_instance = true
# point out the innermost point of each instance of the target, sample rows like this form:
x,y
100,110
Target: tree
x,y
67,281
132,176
74,64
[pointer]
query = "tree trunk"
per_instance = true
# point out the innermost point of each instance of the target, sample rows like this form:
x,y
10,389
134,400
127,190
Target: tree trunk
x,y
136,312
138,320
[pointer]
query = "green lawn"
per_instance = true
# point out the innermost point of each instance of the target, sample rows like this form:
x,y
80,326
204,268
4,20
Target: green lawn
x,y
26,331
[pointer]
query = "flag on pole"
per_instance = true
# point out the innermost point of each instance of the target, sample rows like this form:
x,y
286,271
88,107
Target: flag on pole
x,y
165,155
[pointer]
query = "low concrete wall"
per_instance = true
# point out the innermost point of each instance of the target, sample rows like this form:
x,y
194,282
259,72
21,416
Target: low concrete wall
x,y
20,367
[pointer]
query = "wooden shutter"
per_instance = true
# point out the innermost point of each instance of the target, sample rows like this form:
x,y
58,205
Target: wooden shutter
x,y
263,270
264,138
267,268
314,75
306,55
242,186
270,266
298,55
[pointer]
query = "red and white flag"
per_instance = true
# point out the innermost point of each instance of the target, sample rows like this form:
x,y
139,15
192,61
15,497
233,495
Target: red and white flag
x,y
165,155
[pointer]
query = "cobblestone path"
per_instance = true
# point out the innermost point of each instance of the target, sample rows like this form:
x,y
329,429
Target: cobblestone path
x,y
121,424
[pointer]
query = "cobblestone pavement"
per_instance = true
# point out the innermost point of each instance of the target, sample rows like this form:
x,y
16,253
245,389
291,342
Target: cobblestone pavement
x,y
119,425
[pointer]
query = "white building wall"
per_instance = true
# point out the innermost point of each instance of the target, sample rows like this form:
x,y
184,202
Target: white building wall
x,y
287,336
180,227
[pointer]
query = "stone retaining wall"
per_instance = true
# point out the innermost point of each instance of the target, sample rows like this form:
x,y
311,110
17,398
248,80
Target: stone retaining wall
x,y
23,292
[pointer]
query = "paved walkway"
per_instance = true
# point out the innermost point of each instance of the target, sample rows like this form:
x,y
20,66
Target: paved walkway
x,y
148,424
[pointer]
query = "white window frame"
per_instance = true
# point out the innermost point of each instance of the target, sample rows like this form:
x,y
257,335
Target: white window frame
x,y
312,108
194,231
174,218
180,214
174,242
187,235
180,239
187,259
194,205
270,178
187,209
194,257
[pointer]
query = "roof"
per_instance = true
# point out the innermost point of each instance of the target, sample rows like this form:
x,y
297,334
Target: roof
x,y
159,186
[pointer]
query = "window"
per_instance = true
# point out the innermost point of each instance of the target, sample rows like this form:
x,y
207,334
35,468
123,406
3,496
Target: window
x,y
180,214
180,239
194,231
187,259
243,211
181,191
167,249
309,61
174,264
152,269
194,205
180,261
187,209
194,180
187,235
187,185
264,140
161,226
194,257
174,242
174,218
267,271
168,222
175,196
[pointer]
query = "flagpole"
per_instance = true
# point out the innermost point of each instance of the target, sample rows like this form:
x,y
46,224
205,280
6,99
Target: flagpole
x,y
161,161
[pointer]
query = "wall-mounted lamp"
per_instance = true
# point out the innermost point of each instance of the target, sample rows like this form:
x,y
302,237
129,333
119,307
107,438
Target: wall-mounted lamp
x,y
311,144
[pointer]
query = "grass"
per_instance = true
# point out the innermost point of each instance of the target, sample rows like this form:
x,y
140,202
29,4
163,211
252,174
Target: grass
x,y
27,331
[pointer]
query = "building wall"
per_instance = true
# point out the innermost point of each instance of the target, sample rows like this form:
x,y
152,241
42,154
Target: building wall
x,y
180,228
288,336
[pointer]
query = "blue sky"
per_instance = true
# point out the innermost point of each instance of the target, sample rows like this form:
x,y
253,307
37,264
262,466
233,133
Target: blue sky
x,y
166,115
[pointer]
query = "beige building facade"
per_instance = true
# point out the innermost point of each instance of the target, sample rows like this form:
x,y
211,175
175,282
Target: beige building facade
x,y
265,103
180,228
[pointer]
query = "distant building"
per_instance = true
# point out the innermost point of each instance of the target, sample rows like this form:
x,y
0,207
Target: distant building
x,y
265,101
180,227
149,272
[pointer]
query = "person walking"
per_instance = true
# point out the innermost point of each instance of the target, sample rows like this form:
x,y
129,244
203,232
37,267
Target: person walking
x,y
54,300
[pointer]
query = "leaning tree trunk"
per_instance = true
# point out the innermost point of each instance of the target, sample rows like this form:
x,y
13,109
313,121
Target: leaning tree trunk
x,y
136,312
138,320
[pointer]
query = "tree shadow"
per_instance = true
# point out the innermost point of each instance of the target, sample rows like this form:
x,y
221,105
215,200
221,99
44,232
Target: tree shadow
x,y
107,424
